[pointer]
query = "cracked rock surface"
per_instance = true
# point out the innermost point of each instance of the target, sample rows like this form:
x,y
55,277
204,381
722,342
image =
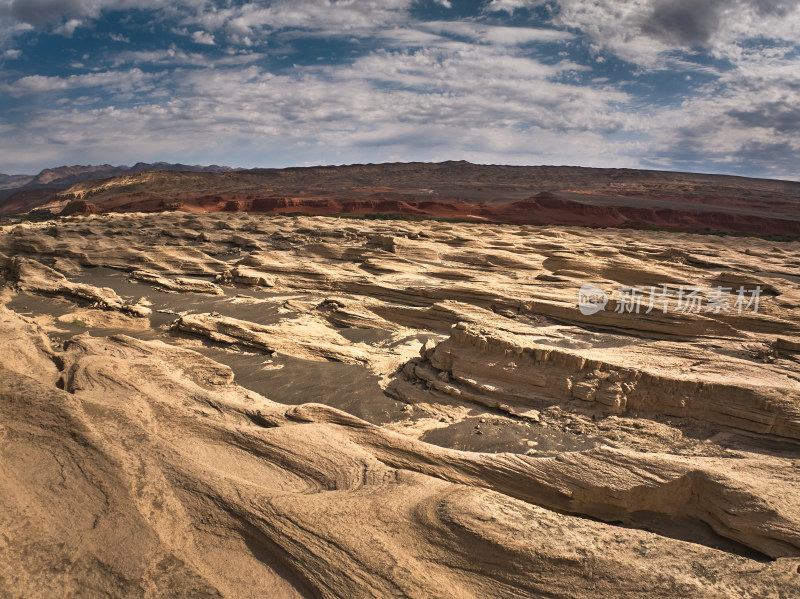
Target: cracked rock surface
x,y
232,405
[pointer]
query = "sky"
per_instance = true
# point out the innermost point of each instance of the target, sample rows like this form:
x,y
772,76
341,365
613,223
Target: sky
x,y
688,85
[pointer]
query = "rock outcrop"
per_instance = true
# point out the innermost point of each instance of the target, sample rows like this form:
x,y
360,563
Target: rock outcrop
x,y
177,284
309,500
514,373
233,405
32,276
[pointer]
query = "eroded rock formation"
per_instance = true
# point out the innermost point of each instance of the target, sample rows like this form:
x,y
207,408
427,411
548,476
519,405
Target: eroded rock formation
x,y
249,406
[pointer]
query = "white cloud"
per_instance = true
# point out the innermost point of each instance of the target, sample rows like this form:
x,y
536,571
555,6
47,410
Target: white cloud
x,y
402,37
747,116
496,34
47,12
120,81
161,132
440,102
175,56
68,28
203,37
510,6
464,85
645,31
749,119
343,18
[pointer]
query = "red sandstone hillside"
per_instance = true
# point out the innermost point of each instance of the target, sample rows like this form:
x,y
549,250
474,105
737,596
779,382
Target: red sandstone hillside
x,y
500,194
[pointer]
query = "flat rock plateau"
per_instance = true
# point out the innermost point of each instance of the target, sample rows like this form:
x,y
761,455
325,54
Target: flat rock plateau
x,y
247,405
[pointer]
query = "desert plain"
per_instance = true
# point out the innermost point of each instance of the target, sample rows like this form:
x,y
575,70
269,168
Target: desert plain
x,y
232,404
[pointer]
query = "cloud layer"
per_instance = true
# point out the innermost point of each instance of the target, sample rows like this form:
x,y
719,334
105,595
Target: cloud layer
x,y
674,84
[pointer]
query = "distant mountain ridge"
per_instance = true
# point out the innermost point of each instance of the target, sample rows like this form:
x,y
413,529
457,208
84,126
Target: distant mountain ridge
x,y
22,193
535,195
14,181
70,175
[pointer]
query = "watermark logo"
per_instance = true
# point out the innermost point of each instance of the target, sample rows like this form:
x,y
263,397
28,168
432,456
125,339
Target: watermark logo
x,y
682,299
591,300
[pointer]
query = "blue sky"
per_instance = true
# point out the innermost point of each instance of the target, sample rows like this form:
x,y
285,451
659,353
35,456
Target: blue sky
x,y
694,85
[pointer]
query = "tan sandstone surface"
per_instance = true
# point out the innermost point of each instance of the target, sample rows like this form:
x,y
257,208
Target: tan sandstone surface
x,y
240,405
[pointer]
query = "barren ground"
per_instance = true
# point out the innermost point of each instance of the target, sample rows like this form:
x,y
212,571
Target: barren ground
x,y
241,405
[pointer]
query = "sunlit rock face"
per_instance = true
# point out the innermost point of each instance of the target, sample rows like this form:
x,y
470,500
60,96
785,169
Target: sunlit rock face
x,y
242,405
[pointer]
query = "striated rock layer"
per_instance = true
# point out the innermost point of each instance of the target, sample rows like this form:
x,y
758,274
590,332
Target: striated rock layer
x,y
237,406
453,190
